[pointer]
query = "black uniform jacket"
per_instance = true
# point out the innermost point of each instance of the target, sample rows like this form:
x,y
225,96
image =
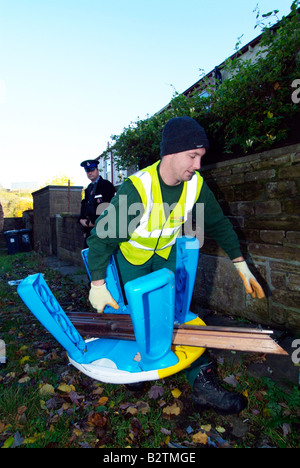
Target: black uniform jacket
x,y
102,192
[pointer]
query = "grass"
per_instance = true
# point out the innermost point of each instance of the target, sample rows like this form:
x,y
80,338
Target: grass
x,y
45,403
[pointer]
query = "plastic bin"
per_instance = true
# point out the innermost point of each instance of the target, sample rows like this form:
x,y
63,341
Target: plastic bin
x,y
12,241
24,240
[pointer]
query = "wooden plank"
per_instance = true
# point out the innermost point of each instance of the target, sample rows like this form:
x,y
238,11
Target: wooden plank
x,y
119,326
248,342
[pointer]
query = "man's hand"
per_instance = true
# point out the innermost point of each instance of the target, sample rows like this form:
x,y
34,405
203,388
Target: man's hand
x,y
83,222
100,297
250,282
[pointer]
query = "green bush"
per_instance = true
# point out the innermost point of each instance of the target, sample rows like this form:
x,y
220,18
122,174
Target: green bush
x,y
251,111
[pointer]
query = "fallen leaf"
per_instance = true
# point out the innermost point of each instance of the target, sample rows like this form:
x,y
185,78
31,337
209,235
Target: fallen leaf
x,y
98,391
206,427
142,407
200,438
21,410
29,440
124,406
165,431
220,429
24,359
136,427
24,379
286,429
97,419
46,389
231,380
8,443
259,395
176,393
74,397
43,405
172,410
65,388
155,392
18,440
66,406
137,357
131,410
102,401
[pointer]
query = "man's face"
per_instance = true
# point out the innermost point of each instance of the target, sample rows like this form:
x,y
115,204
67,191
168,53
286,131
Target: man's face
x,y
93,175
184,164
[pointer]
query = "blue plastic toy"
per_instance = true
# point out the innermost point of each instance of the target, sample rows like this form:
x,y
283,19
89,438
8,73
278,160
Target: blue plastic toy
x,y
154,302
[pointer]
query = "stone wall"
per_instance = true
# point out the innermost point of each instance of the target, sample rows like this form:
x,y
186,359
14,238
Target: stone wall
x,y
11,224
70,240
1,218
47,203
260,195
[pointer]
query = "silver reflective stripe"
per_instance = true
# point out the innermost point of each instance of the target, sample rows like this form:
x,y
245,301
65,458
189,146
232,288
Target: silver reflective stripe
x,y
139,246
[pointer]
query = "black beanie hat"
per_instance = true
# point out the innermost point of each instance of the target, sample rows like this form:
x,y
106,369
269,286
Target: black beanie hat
x,y
182,134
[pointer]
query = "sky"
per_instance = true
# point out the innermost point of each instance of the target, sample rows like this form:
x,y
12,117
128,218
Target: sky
x,y
75,72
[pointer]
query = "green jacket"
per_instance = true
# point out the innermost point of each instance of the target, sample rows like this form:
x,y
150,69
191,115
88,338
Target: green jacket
x,y
114,223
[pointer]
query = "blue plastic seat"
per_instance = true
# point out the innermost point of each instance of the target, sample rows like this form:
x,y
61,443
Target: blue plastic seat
x,y
187,256
154,302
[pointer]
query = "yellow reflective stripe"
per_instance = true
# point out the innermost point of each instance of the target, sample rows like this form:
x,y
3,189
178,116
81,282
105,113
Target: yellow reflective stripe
x,y
186,355
135,256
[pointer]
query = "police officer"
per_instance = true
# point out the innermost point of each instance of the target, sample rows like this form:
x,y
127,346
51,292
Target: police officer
x,y
98,193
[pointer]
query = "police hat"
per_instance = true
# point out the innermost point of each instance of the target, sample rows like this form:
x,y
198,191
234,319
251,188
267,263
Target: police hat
x,y
89,165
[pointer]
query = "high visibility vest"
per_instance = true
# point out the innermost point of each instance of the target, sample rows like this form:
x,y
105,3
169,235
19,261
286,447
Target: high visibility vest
x,y
155,232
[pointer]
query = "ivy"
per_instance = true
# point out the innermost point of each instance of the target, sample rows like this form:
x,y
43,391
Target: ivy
x,y
252,111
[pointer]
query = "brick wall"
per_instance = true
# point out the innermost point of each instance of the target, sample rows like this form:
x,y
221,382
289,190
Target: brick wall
x,y
47,203
260,195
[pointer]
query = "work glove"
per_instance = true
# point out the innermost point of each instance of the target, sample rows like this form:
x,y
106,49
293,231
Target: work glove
x,y
250,282
100,297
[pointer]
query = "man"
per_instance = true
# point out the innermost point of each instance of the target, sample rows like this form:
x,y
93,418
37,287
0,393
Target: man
x,y
97,195
149,245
